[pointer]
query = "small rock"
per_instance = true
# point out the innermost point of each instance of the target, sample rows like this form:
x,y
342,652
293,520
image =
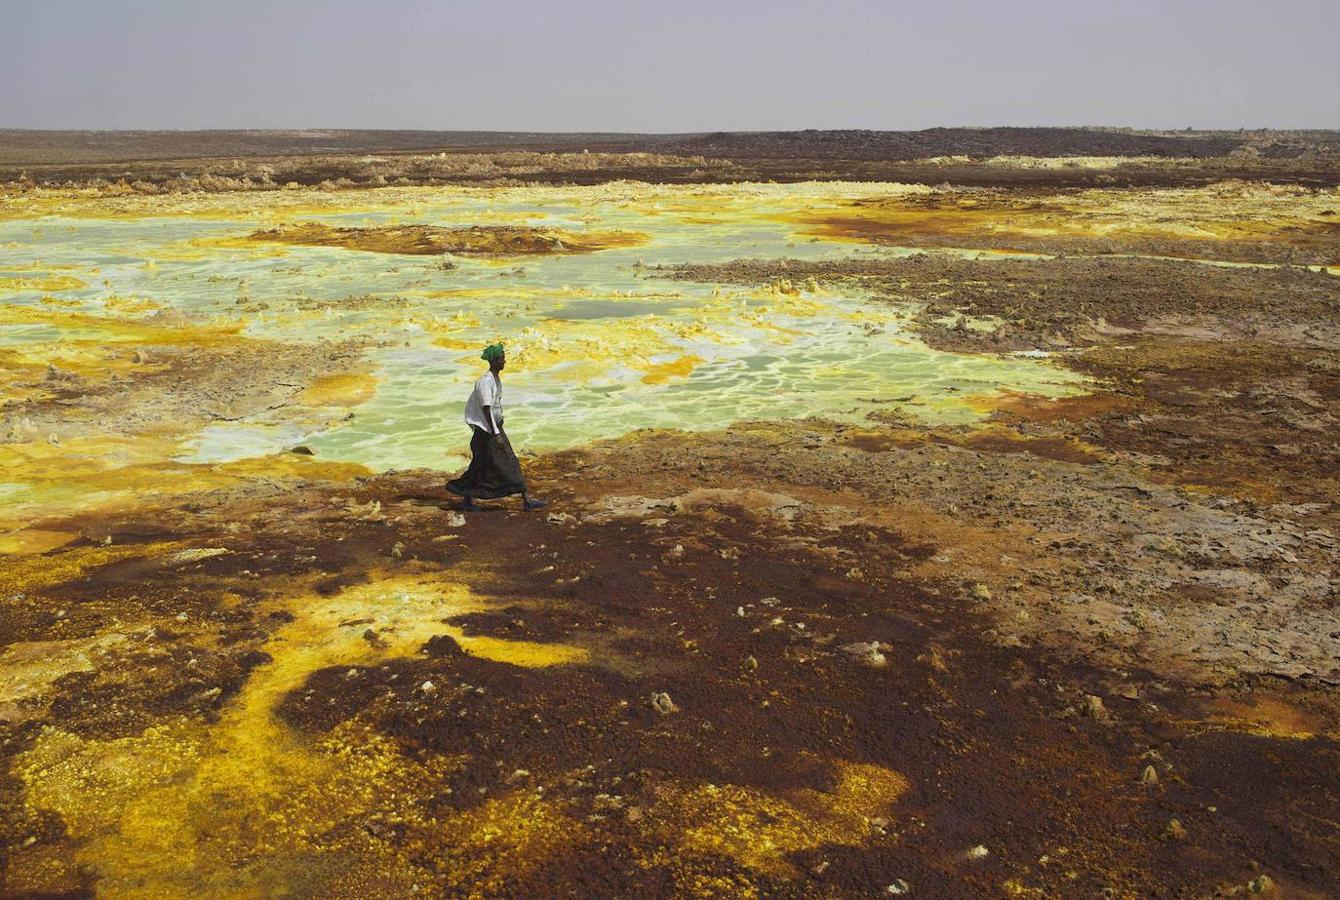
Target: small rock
x,y
455,520
1093,708
303,450
375,639
899,886
1261,884
1173,831
818,869
398,550
1149,776
750,664
182,617
661,702
729,553
981,592
370,511
934,659
428,687
677,551
870,653
978,852
559,518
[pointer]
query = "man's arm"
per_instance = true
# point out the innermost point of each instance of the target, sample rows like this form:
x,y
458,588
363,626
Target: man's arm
x,y
493,423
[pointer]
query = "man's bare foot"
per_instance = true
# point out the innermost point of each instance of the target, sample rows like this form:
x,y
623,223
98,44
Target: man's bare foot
x,y
469,505
528,504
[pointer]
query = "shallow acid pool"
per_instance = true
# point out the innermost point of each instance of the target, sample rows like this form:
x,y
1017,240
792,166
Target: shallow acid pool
x,y
597,345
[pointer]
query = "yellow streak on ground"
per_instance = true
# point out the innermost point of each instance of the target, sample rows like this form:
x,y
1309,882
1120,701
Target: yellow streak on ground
x,y
130,305
516,292
506,837
1267,717
85,326
525,654
660,373
704,202
281,465
245,806
1225,212
23,370
122,472
33,573
202,248
450,343
34,540
44,268
759,829
348,389
41,283
272,206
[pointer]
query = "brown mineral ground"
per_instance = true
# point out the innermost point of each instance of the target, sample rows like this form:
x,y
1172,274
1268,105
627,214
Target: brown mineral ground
x,y
1088,646
428,240
1244,222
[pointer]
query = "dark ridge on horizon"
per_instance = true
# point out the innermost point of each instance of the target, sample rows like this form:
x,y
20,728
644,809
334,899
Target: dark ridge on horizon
x,y
42,146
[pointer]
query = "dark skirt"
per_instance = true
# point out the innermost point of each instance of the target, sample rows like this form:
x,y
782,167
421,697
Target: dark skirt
x,y
494,470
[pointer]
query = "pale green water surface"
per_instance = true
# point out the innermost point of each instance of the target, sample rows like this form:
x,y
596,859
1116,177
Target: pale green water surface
x,y
589,335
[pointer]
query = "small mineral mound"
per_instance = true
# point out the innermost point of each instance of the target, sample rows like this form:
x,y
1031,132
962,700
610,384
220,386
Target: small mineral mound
x,y
432,240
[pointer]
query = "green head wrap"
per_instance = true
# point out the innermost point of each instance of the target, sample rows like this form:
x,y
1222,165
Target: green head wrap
x,y
492,352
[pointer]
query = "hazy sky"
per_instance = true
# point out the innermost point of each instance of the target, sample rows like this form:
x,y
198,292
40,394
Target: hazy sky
x,y
672,65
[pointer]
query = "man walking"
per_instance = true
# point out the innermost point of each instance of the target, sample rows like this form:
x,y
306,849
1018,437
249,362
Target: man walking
x,y
494,470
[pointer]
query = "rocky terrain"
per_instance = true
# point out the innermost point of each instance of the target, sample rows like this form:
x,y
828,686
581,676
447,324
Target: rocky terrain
x,y
154,162
1085,646
1212,446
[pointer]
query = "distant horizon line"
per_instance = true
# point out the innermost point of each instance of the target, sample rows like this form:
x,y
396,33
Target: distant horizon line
x,y
602,132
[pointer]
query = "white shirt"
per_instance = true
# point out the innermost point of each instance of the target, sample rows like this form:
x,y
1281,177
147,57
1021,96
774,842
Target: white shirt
x,y
487,392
